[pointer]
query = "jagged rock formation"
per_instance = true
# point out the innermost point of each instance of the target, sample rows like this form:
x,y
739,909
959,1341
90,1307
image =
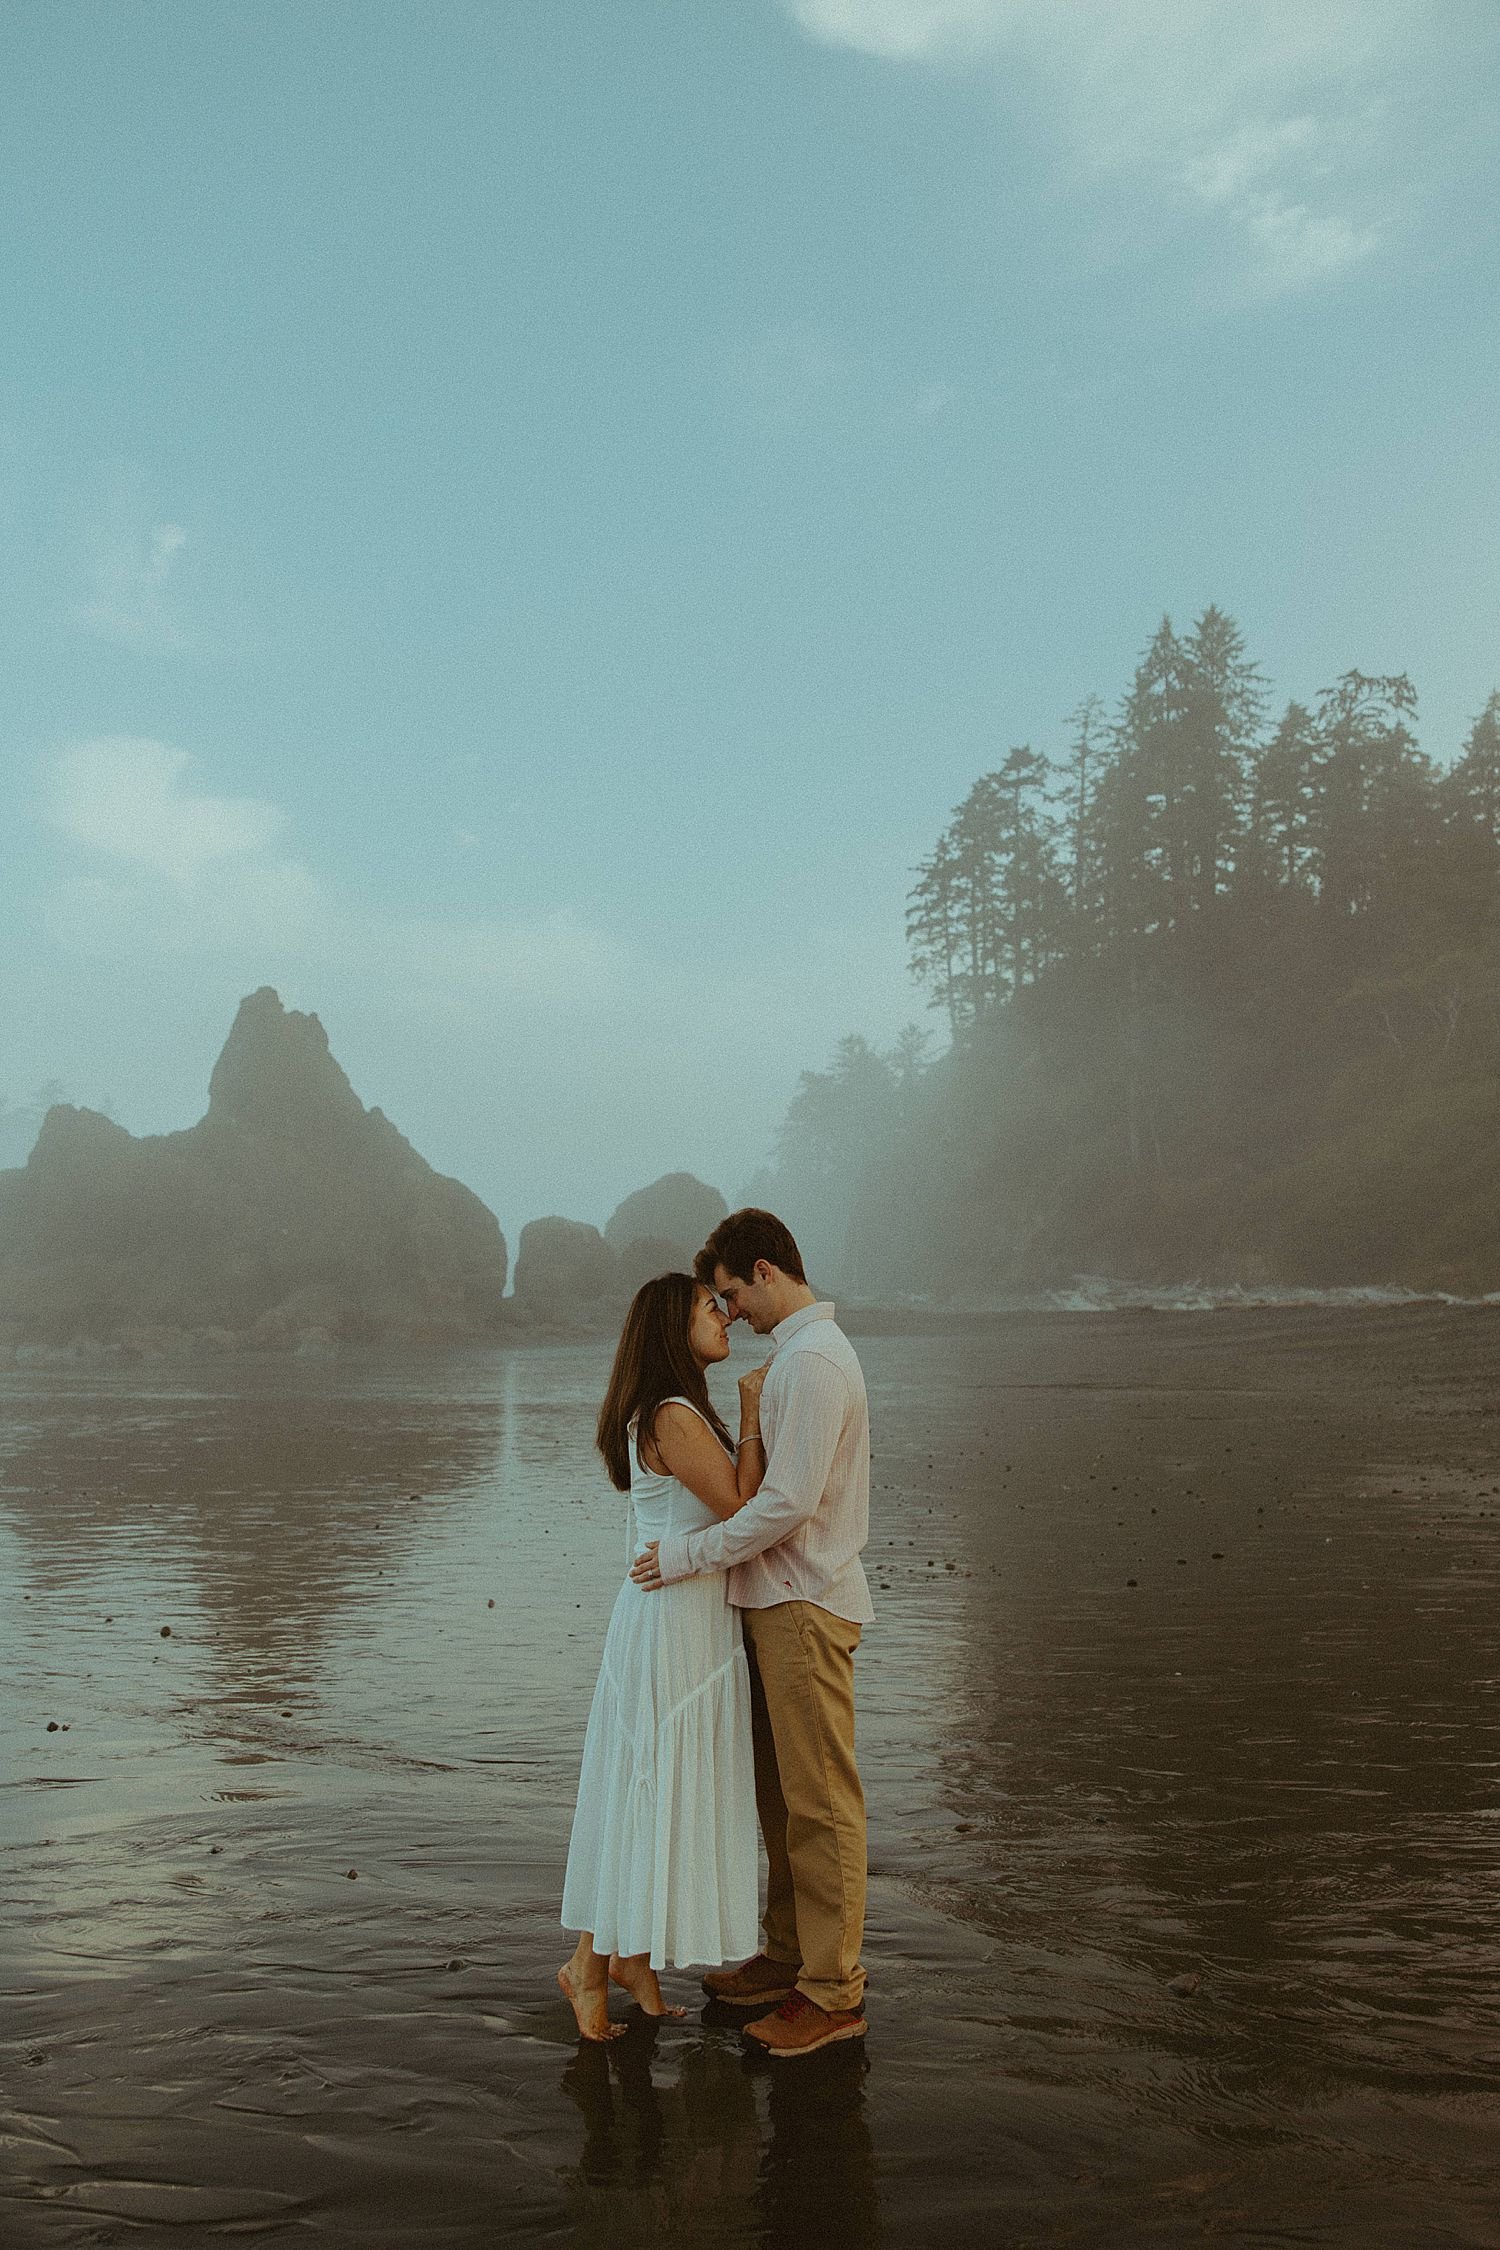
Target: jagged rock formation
x,y
566,1273
290,1216
674,1216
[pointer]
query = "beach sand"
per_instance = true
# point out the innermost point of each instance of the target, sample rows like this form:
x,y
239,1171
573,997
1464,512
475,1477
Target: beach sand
x,y
1180,1733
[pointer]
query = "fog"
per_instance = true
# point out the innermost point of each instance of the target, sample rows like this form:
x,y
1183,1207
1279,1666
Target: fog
x,y
884,608
564,1100
533,570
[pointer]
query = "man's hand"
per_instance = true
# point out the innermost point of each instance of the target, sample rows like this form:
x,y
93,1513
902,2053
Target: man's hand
x,y
645,1572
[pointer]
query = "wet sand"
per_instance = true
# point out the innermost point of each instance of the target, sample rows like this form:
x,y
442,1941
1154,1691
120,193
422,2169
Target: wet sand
x,y
1180,1734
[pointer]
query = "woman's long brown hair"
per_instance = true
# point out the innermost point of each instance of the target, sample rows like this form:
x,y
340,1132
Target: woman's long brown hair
x,y
653,1362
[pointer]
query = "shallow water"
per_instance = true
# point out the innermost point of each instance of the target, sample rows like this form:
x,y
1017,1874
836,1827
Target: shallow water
x,y
1179,1729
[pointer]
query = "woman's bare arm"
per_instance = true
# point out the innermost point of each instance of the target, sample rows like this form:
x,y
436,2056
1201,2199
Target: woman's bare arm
x,y
685,1447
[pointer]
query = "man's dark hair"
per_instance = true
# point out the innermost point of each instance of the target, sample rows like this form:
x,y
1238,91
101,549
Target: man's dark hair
x,y
744,1236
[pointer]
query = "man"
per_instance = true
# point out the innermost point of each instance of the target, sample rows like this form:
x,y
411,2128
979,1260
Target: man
x,y
792,1554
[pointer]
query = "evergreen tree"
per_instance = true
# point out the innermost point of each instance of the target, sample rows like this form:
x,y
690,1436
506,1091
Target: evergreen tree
x,y
1304,1086
907,1061
1277,853
837,1114
1128,879
1085,767
1153,769
1224,706
1364,752
1471,799
933,937
978,833
1030,893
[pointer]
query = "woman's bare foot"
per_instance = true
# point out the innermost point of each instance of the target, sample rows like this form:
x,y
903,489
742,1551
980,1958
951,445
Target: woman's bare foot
x,y
634,1974
590,2005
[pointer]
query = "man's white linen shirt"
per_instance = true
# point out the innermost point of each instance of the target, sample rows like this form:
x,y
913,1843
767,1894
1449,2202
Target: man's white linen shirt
x,y
799,1539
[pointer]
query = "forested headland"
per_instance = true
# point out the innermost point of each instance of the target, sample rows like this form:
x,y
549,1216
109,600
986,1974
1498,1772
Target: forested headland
x,y
1221,991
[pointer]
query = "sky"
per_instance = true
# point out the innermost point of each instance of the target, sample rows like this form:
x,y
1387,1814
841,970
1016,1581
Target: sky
x,y
519,521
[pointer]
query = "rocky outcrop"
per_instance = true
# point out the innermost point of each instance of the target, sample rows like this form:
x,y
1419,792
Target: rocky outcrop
x,y
290,1216
566,1274
648,1254
570,1275
674,1217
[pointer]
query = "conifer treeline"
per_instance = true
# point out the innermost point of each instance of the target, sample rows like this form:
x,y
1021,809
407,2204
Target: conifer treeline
x,y
1224,992
1186,806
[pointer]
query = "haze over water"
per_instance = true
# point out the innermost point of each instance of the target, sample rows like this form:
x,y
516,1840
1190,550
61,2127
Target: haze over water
x,y
504,508
1181,1672
540,533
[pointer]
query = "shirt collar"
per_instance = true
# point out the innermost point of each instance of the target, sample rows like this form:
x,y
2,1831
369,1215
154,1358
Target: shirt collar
x,y
800,1319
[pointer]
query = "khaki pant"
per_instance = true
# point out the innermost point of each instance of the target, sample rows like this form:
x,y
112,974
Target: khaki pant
x,y
808,1795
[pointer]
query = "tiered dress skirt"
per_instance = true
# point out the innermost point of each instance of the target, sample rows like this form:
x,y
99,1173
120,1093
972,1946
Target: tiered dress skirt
x,y
664,1858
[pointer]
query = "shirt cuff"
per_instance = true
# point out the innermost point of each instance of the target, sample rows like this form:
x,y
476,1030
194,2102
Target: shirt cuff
x,y
672,1557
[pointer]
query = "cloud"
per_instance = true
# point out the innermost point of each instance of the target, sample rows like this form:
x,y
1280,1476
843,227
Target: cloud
x,y
126,797
550,962
797,375
1297,247
132,580
907,30
173,867
168,866
1268,118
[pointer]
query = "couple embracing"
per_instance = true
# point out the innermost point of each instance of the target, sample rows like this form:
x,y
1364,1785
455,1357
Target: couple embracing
x,y
727,1685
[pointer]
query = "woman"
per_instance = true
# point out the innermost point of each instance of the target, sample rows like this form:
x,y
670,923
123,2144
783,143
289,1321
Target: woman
x,y
663,1865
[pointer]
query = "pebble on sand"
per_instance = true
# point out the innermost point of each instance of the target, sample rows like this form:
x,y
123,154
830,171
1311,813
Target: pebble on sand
x,y
353,1875
1185,1985
166,1632
455,1963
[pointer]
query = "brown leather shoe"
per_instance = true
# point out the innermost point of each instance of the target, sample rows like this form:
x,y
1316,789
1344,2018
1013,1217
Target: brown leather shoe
x,y
800,2027
755,1984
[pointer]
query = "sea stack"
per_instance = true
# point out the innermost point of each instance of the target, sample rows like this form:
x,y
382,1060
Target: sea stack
x,y
289,1217
664,1225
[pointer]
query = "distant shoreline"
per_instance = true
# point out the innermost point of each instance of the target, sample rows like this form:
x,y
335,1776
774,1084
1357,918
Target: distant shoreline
x,y
1104,1303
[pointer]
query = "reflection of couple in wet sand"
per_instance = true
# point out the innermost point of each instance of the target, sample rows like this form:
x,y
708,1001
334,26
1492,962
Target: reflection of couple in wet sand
x,y
693,2147
729,1661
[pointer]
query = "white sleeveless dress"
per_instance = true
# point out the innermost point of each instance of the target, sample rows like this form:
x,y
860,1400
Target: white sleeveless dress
x,y
664,1857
